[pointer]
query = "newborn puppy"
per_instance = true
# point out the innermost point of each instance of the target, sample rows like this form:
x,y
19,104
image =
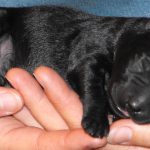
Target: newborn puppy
x,y
105,60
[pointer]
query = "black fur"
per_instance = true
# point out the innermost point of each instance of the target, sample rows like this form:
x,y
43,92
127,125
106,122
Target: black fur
x,y
84,48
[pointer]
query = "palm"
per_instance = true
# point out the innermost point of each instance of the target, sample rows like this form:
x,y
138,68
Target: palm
x,y
14,131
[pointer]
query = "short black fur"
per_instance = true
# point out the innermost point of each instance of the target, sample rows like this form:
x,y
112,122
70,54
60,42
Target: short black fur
x,y
97,56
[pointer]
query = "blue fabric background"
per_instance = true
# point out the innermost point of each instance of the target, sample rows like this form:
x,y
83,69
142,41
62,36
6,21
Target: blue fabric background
x,y
98,7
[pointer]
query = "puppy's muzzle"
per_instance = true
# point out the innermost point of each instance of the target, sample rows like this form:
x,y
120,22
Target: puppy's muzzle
x,y
131,102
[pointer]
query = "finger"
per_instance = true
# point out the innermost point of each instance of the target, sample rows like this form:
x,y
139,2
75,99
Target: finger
x,y
10,101
35,99
26,118
119,147
129,133
16,136
69,140
65,100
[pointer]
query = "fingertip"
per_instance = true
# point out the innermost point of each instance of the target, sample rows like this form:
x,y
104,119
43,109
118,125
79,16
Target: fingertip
x,y
121,122
83,140
14,71
11,101
44,70
18,98
44,74
16,75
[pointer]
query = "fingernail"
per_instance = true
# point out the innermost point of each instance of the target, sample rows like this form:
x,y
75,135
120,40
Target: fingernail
x,y
9,103
121,135
97,142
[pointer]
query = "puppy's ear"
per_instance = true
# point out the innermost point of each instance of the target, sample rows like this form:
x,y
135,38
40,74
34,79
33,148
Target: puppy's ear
x,y
6,46
6,56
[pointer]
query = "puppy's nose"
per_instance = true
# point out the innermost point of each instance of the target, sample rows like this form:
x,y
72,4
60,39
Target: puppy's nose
x,y
138,109
133,107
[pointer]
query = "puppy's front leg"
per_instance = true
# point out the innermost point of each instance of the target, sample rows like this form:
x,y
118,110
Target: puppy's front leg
x,y
88,79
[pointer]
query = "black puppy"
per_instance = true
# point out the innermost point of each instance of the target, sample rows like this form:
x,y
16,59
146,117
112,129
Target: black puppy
x,y
105,60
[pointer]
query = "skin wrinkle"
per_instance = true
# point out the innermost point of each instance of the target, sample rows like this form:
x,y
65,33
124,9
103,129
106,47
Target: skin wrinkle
x,y
33,145
10,132
37,143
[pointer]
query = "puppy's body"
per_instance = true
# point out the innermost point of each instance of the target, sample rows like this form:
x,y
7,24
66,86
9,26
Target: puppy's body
x,y
83,48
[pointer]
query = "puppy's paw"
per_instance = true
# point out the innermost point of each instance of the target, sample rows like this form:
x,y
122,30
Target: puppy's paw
x,y
95,126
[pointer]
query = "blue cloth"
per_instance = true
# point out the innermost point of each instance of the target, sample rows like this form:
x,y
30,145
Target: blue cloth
x,y
134,8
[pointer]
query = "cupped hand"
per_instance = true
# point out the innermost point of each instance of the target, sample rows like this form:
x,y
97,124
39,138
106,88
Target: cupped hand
x,y
44,75
51,117
46,116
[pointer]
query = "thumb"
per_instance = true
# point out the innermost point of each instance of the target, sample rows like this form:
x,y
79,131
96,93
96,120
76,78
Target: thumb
x,y
75,139
126,132
33,138
10,101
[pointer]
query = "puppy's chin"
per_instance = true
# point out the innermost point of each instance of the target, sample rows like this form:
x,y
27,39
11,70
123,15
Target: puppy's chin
x,y
120,96
119,111
124,112
115,103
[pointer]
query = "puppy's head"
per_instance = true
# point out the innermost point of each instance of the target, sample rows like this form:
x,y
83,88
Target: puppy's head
x,y
130,83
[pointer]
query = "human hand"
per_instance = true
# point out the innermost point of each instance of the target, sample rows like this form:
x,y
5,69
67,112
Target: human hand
x,y
39,125
139,131
125,133
45,77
